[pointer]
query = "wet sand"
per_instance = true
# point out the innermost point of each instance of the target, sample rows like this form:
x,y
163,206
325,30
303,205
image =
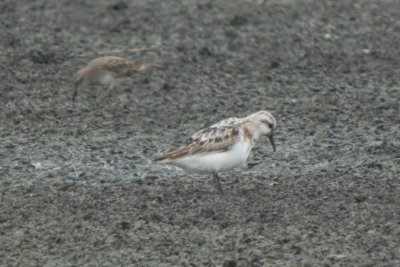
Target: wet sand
x,y
77,184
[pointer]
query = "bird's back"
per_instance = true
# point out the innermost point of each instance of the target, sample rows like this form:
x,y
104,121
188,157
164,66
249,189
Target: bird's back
x,y
119,67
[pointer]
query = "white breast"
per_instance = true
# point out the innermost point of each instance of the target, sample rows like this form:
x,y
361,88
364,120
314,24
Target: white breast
x,y
215,161
108,79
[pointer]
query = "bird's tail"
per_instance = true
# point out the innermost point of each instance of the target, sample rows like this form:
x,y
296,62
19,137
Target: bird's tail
x,y
144,65
161,159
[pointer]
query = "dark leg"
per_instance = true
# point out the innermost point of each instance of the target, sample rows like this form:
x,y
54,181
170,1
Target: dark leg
x,y
216,178
113,92
75,93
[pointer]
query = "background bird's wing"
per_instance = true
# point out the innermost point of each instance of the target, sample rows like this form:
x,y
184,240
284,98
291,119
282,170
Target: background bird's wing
x,y
117,66
104,62
212,139
124,68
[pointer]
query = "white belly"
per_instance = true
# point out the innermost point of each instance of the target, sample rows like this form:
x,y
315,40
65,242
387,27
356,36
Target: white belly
x,y
108,79
215,161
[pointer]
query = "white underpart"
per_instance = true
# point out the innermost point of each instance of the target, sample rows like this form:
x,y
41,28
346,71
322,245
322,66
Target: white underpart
x,y
142,67
108,79
215,161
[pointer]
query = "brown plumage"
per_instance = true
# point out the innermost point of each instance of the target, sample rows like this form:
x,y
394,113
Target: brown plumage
x,y
212,139
107,71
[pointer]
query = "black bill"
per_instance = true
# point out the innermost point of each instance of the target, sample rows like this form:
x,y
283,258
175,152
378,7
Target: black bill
x,y
271,139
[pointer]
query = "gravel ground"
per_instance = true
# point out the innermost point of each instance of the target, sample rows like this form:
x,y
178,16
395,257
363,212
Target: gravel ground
x,y
77,185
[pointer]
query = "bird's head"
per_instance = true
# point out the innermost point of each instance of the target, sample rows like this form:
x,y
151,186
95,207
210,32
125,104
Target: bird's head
x,y
262,123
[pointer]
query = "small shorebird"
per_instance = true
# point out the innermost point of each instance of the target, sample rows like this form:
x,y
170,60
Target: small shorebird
x,y
107,71
222,146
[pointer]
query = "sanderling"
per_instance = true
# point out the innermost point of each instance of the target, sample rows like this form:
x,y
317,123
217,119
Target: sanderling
x,y
107,71
222,146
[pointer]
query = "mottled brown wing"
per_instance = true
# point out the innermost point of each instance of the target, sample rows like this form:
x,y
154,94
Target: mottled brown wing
x,y
103,62
227,122
130,68
117,66
212,139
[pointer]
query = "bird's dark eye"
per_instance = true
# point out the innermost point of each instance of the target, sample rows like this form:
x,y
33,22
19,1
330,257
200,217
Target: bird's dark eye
x,y
270,125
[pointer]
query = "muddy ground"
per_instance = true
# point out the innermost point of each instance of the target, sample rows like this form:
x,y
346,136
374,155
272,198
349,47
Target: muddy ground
x,y
77,184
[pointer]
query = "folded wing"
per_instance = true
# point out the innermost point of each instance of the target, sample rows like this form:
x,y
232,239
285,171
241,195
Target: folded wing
x,y
212,139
